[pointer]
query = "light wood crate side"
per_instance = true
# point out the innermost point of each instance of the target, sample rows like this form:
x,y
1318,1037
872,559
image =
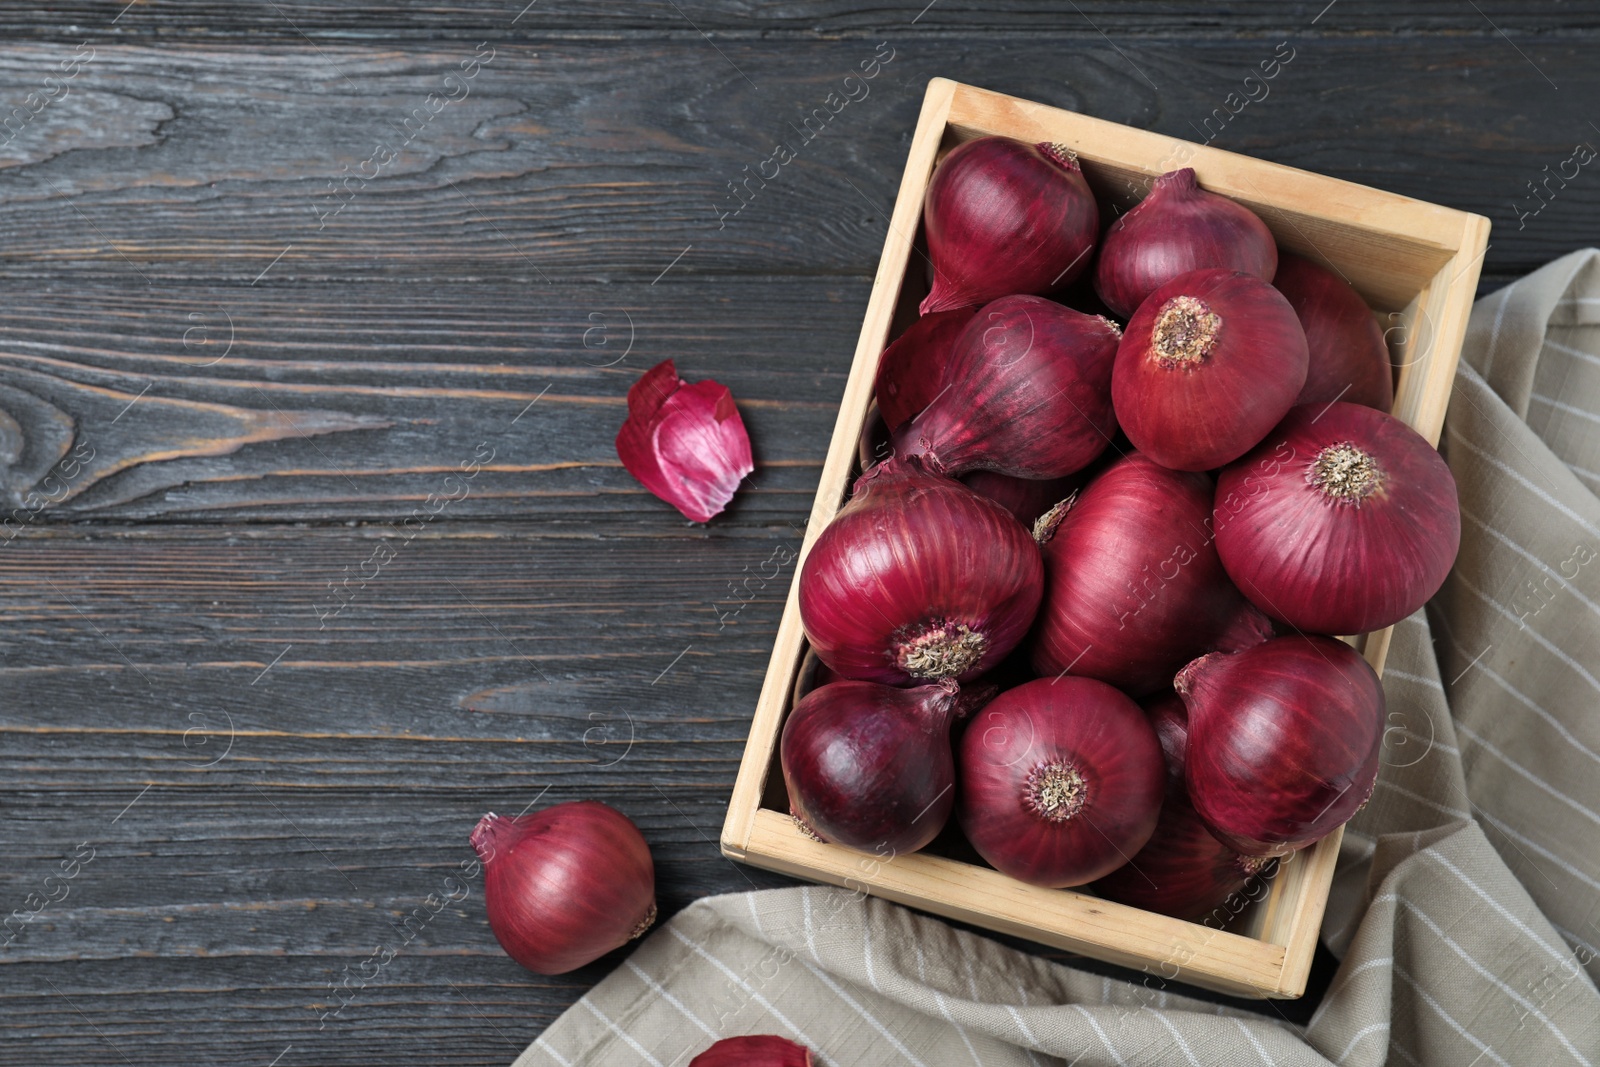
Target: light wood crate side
x,y
1077,922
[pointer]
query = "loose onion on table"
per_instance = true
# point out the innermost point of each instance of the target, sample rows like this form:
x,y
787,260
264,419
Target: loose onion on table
x,y
1349,360
918,578
1283,741
1026,392
1060,781
764,1050
1003,216
1343,520
1133,585
1177,228
1207,366
869,766
565,885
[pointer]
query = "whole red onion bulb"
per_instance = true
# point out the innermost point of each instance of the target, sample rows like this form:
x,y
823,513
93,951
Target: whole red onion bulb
x,y
1133,586
1027,392
918,578
1207,366
1177,228
1060,781
869,766
1283,741
1349,359
1344,520
565,885
1001,217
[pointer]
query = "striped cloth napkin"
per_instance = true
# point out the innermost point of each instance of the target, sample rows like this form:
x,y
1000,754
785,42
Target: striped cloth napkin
x,y
1466,911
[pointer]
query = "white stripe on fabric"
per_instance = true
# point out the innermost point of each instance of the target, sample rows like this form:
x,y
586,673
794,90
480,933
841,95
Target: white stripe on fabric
x,y
1372,1028
1546,853
1569,409
1568,350
1517,476
1531,558
1420,679
544,1046
766,1004
1023,1026
1583,472
1544,642
1249,1036
1528,702
1188,1054
866,952
1420,799
665,994
811,940
1529,775
755,916
627,1038
1504,912
1521,1001
1483,1050
1572,938
938,999
1408,1057
871,1019
1494,329
1343,979
1104,1040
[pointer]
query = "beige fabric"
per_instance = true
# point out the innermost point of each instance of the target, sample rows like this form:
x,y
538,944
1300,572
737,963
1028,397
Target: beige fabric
x,y
1466,911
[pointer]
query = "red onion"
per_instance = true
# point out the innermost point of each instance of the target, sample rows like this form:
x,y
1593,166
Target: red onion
x,y
911,369
1026,498
1183,871
1343,521
1349,360
1133,586
1283,741
760,1051
1005,217
1178,228
1060,781
1207,366
918,578
1027,392
565,885
869,766
685,443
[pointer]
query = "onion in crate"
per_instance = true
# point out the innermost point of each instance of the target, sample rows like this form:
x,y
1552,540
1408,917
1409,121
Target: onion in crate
x,y
1344,520
1060,781
1349,360
1003,216
1133,586
1283,741
918,578
1207,366
1177,228
1027,392
911,368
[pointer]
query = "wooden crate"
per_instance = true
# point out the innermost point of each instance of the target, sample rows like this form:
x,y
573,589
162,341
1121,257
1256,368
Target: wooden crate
x,y
1417,266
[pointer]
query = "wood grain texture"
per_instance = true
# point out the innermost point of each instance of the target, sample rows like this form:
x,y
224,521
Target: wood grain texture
x,y
175,186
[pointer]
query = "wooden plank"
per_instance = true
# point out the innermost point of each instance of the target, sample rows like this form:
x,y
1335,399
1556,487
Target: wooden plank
x,y
226,403
293,22
222,161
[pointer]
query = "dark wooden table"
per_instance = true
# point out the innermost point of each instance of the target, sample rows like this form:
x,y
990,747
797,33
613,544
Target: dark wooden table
x,y
274,272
